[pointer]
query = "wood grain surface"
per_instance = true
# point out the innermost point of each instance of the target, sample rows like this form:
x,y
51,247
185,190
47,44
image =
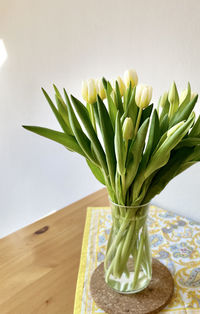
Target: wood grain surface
x,y
39,263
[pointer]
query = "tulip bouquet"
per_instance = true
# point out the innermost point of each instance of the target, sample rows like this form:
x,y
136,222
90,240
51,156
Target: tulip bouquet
x,y
134,150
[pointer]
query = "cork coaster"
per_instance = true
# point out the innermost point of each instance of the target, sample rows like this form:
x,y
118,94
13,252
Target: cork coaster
x,y
149,301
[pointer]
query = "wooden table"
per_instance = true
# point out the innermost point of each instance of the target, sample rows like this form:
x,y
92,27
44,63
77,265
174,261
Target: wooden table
x,y
39,263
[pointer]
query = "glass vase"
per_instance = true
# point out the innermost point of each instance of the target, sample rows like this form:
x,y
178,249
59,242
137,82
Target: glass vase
x,y
128,261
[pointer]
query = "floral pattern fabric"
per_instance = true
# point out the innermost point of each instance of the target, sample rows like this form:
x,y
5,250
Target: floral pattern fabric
x,y
175,242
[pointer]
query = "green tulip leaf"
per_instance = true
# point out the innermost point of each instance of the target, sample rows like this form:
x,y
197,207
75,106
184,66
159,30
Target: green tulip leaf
x,y
118,99
154,136
104,83
167,173
161,156
146,113
165,110
164,124
81,137
96,113
195,132
136,150
96,171
56,113
188,142
108,138
183,112
67,140
62,108
84,117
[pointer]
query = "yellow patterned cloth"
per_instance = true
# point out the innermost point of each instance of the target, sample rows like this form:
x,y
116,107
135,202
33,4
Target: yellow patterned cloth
x,y
175,242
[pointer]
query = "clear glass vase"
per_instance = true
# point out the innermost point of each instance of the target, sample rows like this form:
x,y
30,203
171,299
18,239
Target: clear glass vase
x,y
128,261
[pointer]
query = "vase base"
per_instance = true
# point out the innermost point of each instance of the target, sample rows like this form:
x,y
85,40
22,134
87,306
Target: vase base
x,y
129,291
148,301
124,283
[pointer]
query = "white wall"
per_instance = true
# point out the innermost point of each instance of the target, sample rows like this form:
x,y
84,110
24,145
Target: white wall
x,y
64,42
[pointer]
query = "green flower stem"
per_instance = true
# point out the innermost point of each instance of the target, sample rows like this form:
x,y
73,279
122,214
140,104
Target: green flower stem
x,y
138,121
108,270
148,252
125,256
139,256
129,237
119,265
113,267
122,212
109,239
116,267
124,247
127,244
137,185
93,117
120,258
123,177
123,188
147,255
120,234
117,259
113,197
144,260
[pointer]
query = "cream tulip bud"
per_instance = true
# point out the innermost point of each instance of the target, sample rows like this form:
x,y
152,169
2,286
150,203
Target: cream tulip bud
x,y
121,85
183,95
163,99
143,95
192,96
89,91
173,100
127,129
173,95
130,76
100,88
174,128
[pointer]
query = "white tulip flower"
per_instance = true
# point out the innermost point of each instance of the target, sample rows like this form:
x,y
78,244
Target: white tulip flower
x,y
130,76
89,92
143,95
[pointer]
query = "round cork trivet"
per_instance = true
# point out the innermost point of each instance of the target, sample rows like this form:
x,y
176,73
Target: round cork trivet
x,y
151,300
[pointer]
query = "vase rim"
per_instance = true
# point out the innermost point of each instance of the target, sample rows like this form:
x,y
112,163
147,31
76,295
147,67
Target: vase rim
x,y
129,206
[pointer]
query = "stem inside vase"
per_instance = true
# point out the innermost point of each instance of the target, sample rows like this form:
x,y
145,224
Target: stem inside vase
x,y
128,262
